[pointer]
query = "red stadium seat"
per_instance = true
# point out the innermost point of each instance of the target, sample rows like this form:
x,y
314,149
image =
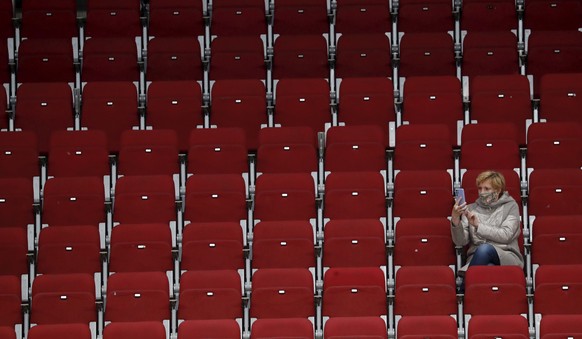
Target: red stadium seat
x,y
354,292
495,290
137,297
282,293
212,294
212,246
427,54
63,298
425,290
363,55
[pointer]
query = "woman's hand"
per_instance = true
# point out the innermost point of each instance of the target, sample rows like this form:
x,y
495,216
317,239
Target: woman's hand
x,y
473,220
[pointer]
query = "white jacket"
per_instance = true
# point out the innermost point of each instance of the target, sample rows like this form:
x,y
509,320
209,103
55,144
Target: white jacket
x,y
499,225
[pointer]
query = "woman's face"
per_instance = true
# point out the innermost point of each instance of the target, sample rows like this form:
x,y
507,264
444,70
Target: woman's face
x,y
487,194
485,187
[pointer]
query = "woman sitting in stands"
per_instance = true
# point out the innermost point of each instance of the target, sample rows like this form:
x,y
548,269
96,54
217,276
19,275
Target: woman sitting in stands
x,y
490,225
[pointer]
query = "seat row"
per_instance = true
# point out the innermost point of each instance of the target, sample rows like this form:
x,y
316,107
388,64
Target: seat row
x,y
354,55
180,106
282,302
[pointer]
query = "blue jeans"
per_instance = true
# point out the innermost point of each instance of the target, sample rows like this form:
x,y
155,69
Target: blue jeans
x,y
485,255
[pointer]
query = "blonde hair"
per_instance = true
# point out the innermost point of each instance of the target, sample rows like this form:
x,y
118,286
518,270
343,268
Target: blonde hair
x,y
496,178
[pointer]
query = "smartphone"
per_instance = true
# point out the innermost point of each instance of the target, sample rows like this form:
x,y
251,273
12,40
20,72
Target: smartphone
x,y
460,194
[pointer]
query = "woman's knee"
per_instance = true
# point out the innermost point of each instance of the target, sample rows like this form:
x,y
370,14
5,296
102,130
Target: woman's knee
x,y
486,249
485,254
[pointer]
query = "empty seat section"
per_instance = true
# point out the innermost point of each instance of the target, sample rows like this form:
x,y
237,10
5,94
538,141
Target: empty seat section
x,y
554,326
174,59
282,328
425,16
111,107
489,15
544,15
139,329
554,145
137,296
56,20
367,101
6,15
355,195
495,290
354,243
14,259
300,17
283,244
435,99
212,246
65,331
145,199
209,329
70,201
217,151
363,55
148,152
557,287
214,198
19,155
282,293
422,194
78,154
502,98
237,57
490,53
553,52
213,294
10,300
242,104
175,105
354,292
113,19
490,145
558,97
63,298
514,326
287,150
425,290
176,18
141,248
554,192
302,102
7,332
69,249
368,327
300,56
557,239
423,242
363,17
423,147
46,60
427,54
417,327
355,148
238,18
44,108
16,203
110,59
285,197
